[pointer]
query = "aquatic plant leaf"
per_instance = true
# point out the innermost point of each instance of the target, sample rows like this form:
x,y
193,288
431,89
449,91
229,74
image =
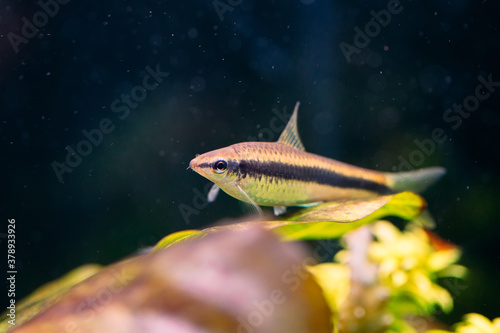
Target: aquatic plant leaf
x,y
404,204
178,237
328,220
316,222
229,281
474,322
334,279
456,271
439,260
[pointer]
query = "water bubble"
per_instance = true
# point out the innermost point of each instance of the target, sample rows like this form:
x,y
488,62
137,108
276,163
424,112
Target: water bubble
x,y
192,33
323,123
155,40
234,44
388,118
434,80
359,312
262,42
374,59
197,84
377,83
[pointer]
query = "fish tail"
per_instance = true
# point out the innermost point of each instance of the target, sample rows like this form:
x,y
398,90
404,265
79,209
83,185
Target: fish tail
x,y
415,181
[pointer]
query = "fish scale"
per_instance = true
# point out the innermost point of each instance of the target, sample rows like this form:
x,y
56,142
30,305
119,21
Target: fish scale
x,y
302,177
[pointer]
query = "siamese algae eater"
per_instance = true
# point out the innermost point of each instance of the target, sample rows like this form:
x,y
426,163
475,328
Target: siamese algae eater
x,y
282,174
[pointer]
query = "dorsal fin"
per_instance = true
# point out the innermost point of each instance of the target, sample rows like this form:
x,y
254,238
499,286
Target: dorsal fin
x,y
290,135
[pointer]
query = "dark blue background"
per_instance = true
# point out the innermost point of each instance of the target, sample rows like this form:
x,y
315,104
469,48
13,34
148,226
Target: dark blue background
x,y
225,79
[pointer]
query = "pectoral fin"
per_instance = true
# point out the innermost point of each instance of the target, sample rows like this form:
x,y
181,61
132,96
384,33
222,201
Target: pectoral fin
x,y
257,208
312,204
279,210
212,194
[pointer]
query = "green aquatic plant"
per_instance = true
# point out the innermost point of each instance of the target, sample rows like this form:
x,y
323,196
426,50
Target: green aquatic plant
x,y
474,323
328,220
392,277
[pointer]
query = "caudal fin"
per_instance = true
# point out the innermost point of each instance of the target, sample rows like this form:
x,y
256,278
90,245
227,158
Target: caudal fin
x,y
415,181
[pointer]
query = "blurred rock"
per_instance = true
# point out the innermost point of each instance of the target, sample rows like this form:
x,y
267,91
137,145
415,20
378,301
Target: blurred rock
x,y
232,281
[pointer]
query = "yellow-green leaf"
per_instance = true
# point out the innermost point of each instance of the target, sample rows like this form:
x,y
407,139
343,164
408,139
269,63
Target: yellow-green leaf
x,y
335,293
328,220
178,237
316,222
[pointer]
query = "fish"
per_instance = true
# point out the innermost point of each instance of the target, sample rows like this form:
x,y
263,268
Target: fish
x,y
282,174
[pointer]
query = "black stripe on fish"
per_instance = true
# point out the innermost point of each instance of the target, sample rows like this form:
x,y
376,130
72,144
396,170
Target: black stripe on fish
x,y
286,171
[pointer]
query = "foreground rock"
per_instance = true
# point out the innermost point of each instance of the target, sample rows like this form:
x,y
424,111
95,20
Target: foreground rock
x,y
233,281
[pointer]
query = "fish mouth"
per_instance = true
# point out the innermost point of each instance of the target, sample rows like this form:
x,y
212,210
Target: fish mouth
x,y
195,165
195,162
192,165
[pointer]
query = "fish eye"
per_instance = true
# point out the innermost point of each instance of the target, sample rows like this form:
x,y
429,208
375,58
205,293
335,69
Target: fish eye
x,y
220,166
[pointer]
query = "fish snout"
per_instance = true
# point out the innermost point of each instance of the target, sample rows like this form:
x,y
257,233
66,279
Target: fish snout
x,y
195,163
